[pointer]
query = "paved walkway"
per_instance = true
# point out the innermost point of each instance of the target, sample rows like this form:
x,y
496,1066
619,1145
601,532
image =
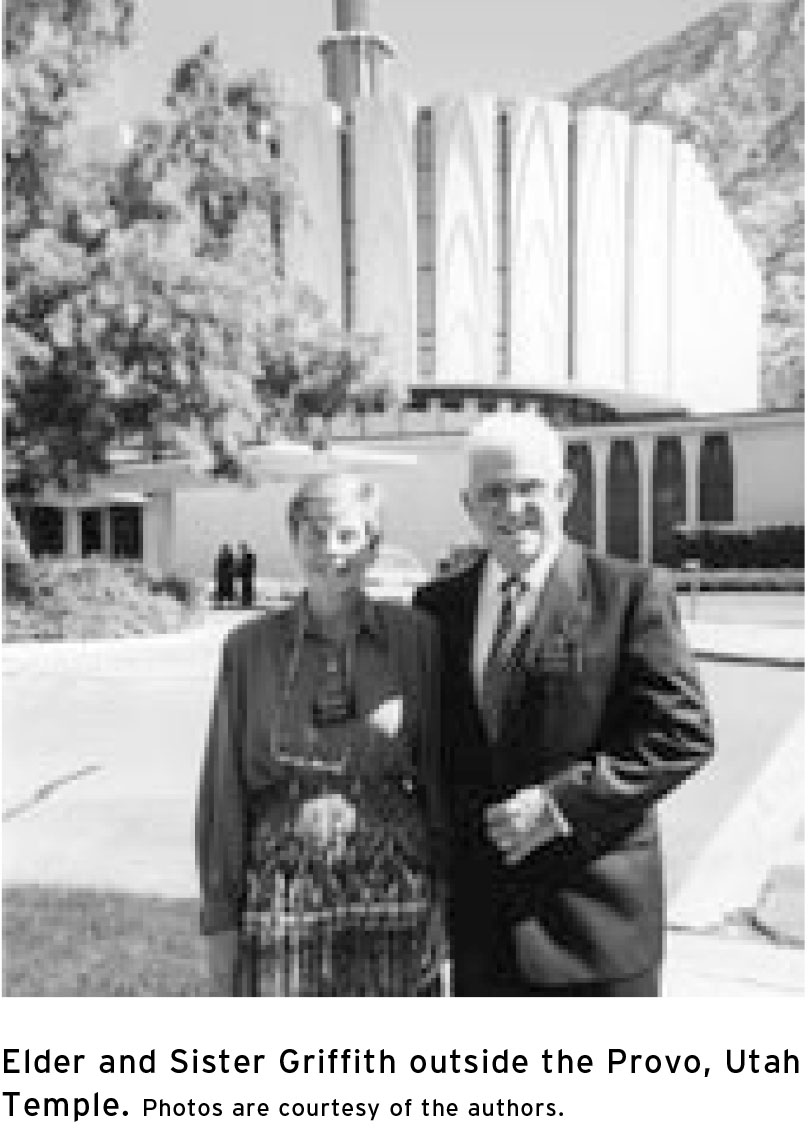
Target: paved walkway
x,y
102,743
709,965
769,818
748,643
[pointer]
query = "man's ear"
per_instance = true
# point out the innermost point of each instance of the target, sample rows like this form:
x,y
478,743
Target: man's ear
x,y
465,499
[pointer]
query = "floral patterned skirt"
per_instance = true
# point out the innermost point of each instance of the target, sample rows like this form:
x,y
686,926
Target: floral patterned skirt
x,y
338,897
366,952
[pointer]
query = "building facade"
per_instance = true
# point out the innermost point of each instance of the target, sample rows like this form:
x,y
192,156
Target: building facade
x,y
491,240
636,480
513,255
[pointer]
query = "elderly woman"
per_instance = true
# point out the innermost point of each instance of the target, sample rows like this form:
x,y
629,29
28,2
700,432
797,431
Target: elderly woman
x,y
319,798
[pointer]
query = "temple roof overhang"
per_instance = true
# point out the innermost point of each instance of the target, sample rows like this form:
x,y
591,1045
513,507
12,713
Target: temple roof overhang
x,y
620,403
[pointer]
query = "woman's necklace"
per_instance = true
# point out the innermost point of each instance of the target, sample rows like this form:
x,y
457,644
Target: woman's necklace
x,y
334,703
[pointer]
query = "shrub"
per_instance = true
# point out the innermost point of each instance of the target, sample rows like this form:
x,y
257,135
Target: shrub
x,y
73,600
724,548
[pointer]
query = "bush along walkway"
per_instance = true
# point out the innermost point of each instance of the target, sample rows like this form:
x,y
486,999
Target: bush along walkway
x,y
76,601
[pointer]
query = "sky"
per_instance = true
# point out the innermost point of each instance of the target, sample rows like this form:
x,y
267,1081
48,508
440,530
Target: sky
x,y
513,47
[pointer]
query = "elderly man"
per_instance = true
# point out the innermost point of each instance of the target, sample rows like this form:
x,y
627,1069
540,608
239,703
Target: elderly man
x,y
571,705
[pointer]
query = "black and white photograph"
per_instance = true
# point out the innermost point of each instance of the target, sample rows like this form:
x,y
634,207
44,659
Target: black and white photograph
x,y
403,519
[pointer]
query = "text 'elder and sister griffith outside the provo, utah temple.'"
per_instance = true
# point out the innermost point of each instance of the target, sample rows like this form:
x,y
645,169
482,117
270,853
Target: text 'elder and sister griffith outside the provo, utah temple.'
x,y
359,1061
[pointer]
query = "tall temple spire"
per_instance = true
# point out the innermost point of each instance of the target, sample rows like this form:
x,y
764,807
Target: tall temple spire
x,y
354,56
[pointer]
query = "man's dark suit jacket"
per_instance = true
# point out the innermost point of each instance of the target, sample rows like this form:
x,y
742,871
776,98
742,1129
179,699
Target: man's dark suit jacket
x,y
604,707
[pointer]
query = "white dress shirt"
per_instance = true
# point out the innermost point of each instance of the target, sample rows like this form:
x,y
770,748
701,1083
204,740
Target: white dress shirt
x,y
490,604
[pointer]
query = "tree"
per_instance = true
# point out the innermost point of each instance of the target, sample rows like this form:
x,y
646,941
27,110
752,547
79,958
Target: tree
x,y
143,292
211,193
52,49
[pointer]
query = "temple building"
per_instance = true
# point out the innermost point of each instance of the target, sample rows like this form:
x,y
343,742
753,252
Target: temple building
x,y
514,242
512,254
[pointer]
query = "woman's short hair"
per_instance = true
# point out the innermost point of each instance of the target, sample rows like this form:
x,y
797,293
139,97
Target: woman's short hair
x,y
325,495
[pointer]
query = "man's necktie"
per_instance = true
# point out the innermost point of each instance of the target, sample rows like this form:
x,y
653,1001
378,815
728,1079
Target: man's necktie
x,y
497,664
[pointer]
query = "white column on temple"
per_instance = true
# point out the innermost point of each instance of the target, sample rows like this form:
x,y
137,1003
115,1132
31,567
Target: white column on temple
x,y
601,241
384,222
106,533
600,461
150,536
538,256
73,541
465,237
690,454
645,468
651,150
736,453
168,556
313,249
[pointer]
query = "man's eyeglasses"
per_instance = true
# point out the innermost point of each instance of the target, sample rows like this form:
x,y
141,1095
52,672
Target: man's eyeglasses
x,y
498,494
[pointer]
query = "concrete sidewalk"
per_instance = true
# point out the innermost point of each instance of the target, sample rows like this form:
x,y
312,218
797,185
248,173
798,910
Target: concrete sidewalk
x,y
742,642
769,818
714,965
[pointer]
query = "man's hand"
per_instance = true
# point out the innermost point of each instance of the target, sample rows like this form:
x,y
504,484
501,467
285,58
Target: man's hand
x,y
528,820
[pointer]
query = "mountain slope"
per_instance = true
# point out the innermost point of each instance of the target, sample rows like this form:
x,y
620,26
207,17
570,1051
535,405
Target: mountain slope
x,y
733,85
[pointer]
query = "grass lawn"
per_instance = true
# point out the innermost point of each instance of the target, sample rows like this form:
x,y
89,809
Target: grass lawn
x,y
88,942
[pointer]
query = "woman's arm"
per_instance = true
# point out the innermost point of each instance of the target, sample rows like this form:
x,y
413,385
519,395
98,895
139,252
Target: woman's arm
x,y
221,827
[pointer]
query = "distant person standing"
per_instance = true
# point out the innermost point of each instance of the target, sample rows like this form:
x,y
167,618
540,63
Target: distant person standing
x,y
224,575
246,569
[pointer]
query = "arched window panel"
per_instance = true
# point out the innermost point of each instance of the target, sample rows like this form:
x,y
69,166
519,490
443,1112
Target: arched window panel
x,y
623,504
46,531
580,521
716,479
668,498
126,533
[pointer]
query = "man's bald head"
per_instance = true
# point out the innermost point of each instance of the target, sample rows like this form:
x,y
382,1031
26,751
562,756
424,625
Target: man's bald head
x,y
518,487
528,438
